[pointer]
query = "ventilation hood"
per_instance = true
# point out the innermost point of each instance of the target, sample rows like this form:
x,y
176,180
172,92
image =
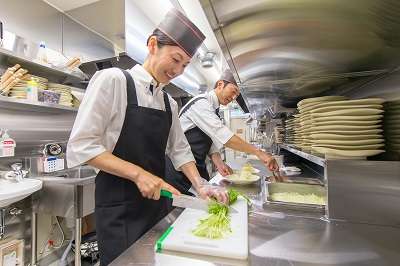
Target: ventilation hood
x,y
285,50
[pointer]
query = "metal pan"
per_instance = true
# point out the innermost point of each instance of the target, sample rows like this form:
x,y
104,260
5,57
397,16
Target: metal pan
x,y
274,187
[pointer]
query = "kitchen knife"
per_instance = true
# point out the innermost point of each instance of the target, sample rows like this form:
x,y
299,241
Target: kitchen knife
x,y
185,201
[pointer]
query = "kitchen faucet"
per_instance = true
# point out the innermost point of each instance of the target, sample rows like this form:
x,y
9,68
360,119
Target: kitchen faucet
x,y
18,173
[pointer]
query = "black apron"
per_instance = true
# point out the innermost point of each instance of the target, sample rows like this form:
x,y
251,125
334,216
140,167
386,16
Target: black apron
x,y
200,144
122,214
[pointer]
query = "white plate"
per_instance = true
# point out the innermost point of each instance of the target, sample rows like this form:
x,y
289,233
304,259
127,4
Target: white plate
x,y
351,112
291,169
344,107
343,154
320,99
360,141
344,137
343,127
370,101
346,122
349,132
235,179
350,147
348,118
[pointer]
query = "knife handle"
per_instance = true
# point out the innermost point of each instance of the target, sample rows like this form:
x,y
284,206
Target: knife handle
x,y
166,194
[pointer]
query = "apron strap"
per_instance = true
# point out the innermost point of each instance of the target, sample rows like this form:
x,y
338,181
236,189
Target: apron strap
x,y
217,112
189,104
130,88
167,107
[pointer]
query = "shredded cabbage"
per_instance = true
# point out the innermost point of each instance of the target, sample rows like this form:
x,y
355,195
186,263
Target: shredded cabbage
x,y
298,198
218,223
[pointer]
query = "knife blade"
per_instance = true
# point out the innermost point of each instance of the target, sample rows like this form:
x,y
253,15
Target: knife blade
x,y
185,201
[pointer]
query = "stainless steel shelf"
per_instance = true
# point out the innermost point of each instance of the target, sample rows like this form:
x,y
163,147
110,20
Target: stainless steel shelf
x,y
310,157
25,105
53,74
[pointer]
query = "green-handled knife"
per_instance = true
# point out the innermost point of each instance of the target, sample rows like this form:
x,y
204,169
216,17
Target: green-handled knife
x,y
185,201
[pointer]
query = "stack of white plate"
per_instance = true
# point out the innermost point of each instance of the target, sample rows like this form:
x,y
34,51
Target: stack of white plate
x,y
298,132
304,108
19,90
392,126
289,130
278,134
65,92
346,129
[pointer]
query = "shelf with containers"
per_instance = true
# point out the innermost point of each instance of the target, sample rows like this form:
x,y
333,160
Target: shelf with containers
x,y
39,69
50,74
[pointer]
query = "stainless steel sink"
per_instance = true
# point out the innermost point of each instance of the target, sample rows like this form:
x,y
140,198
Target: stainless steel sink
x,y
75,176
69,193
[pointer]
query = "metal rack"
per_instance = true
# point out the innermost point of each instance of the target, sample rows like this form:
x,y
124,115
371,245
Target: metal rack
x,y
29,106
310,157
39,69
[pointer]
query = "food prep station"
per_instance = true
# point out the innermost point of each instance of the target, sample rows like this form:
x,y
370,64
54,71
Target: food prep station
x,y
282,236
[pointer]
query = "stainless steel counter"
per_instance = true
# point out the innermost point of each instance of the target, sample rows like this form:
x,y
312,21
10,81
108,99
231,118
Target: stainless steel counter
x,y
283,238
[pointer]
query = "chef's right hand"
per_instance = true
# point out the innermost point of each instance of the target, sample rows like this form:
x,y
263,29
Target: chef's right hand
x,y
268,160
150,185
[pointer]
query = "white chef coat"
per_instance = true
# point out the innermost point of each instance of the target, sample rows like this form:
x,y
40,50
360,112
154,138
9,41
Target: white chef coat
x,y
102,112
202,114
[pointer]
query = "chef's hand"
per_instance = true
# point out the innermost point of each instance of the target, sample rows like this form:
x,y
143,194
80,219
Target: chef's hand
x,y
224,169
207,191
268,160
221,166
150,185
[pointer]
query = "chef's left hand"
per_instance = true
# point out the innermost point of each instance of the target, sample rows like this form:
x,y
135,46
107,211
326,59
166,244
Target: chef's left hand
x,y
207,191
224,169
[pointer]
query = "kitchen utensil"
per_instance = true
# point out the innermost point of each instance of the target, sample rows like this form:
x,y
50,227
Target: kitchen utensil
x,y
185,201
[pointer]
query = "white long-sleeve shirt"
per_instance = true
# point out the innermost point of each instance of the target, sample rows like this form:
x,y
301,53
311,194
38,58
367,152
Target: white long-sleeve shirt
x,y
102,112
202,114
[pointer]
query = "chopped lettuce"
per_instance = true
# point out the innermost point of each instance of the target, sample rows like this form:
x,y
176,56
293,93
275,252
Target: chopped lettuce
x,y
218,222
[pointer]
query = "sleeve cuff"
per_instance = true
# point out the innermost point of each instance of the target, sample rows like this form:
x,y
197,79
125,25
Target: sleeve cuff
x,y
180,160
223,135
75,158
213,149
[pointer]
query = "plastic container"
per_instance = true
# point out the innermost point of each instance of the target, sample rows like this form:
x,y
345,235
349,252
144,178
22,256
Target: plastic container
x,y
32,91
42,53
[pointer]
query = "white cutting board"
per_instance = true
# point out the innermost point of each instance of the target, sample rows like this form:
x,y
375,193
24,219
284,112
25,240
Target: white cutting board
x,y
233,245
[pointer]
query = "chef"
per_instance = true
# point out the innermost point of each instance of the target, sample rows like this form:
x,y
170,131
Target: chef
x,y
125,126
207,134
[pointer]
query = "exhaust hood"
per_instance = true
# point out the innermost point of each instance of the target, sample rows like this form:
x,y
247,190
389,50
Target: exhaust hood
x,y
285,50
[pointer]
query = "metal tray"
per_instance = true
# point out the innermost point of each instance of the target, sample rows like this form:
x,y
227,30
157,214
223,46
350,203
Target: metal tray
x,y
272,187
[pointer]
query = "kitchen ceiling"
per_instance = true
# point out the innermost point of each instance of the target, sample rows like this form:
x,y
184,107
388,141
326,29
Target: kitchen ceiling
x,y
286,50
63,5
129,33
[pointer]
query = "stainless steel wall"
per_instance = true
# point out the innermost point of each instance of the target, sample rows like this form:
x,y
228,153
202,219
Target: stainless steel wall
x,y
32,129
34,20
364,191
37,21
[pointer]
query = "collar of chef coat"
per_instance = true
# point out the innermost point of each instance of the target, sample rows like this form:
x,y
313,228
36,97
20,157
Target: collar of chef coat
x,y
146,80
212,96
